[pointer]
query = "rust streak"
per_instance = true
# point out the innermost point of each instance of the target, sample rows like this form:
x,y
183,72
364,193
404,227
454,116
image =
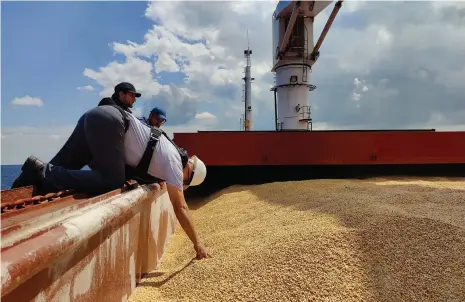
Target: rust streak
x,y
15,194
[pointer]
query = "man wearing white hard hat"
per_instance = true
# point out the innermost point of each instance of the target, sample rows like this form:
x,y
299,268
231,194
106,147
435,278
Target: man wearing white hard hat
x,y
150,152
196,174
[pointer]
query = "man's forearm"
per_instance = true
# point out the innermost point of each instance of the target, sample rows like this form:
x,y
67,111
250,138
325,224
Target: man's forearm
x,y
185,220
182,213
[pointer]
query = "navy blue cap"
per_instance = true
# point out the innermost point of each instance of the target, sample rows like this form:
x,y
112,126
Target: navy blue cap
x,y
159,112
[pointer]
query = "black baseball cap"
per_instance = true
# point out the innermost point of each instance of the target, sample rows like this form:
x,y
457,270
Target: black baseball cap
x,y
127,87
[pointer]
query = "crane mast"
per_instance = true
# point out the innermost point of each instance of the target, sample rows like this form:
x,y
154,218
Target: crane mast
x,y
294,54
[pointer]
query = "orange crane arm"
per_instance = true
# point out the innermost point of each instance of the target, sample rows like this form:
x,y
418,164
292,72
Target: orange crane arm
x,y
331,18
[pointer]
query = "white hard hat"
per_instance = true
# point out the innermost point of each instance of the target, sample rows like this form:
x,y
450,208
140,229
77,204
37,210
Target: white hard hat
x,y
199,171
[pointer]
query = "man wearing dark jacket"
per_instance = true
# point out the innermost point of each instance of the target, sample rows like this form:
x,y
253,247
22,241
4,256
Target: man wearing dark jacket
x,y
97,141
106,101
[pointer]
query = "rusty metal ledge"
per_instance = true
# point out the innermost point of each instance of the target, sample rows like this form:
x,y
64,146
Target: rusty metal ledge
x,y
30,253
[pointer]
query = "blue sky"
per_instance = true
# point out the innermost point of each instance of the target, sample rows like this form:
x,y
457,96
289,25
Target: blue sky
x,y
47,45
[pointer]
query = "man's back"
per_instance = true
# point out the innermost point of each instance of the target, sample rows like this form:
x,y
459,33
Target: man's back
x,y
135,140
166,162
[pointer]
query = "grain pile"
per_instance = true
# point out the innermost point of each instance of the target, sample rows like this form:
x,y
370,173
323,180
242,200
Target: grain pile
x,y
321,240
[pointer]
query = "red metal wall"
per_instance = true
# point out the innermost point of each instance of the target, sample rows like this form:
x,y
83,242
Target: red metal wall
x,y
324,148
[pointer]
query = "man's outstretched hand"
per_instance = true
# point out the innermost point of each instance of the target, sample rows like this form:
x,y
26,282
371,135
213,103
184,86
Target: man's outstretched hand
x,y
181,210
201,251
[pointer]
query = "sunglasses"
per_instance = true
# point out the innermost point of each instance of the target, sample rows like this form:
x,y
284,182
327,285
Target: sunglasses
x,y
191,174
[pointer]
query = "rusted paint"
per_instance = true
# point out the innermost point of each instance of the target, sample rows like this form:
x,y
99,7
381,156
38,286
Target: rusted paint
x,y
98,253
19,204
15,194
20,198
324,147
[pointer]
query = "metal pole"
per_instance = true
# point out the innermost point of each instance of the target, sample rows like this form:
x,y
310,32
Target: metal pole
x,y
275,110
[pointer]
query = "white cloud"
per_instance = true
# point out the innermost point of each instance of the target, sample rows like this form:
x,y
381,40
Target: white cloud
x,y
86,88
356,96
139,72
205,116
27,101
352,6
359,89
166,63
446,4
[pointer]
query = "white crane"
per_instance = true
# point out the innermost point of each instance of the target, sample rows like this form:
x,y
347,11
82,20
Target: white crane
x,y
293,56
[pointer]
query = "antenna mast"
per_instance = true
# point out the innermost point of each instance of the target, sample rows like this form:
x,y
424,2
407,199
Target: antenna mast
x,y
248,87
